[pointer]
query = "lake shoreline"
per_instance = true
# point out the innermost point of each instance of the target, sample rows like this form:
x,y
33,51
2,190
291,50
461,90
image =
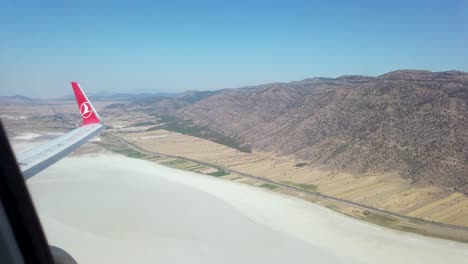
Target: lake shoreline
x,y
368,214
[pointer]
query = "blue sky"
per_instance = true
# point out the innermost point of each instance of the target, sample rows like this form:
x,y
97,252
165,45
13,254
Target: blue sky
x,y
173,46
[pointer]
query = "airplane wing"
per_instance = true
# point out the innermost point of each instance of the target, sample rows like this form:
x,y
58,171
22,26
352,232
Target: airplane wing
x,y
33,161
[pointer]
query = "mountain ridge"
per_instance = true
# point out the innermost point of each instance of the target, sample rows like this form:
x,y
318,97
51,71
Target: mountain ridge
x,y
410,122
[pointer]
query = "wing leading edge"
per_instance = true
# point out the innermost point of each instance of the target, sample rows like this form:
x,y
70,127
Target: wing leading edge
x,y
36,160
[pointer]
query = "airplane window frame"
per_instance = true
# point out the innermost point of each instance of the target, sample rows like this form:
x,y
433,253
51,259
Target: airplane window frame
x,y
19,209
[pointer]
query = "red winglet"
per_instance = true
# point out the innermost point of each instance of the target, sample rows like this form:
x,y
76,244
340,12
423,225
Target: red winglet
x,y
87,111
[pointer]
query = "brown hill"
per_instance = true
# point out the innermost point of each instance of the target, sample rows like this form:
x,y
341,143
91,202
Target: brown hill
x,y
411,122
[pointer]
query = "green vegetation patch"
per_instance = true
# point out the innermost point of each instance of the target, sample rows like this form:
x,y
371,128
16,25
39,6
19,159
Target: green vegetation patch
x,y
195,166
146,123
380,219
105,145
269,186
129,152
189,166
174,162
300,165
307,187
187,127
412,230
332,207
192,167
219,173
304,186
124,150
198,168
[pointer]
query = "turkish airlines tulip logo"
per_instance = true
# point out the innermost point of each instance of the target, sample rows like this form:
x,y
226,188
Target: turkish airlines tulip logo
x,y
85,110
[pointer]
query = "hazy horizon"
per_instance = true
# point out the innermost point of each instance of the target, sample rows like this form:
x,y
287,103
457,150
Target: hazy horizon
x,y
68,95
178,46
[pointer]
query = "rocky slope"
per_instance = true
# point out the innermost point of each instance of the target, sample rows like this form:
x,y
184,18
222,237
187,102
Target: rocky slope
x,y
414,123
